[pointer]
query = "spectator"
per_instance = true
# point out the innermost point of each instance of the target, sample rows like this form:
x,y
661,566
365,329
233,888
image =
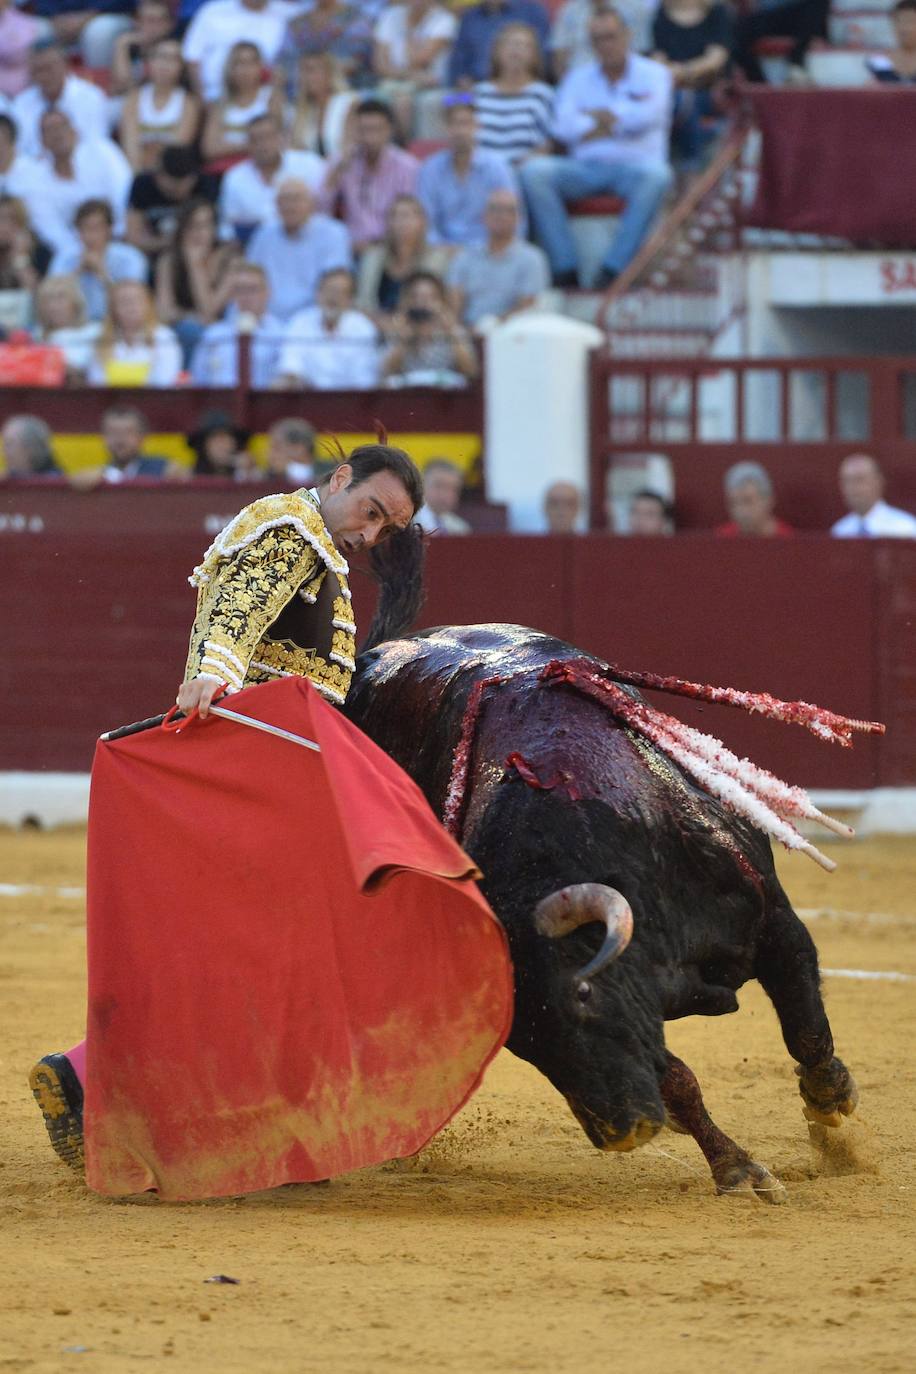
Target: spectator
x,y
19,175
515,108
291,452
365,182
428,345
563,508
454,183
614,115
219,24
156,198
801,20
216,358
410,53
245,95
153,23
899,64
84,25
220,448
124,430
693,39
61,322
870,517
54,87
330,345
296,253
570,41
385,266
470,58
249,190
73,172
443,484
497,279
134,347
192,275
344,31
160,113
23,259
96,261
28,448
19,33
324,117
750,501
650,515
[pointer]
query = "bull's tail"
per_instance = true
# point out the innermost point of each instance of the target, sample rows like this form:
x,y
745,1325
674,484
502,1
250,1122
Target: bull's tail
x,y
397,565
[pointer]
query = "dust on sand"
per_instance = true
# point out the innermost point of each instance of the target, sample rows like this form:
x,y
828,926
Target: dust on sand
x,y
510,1244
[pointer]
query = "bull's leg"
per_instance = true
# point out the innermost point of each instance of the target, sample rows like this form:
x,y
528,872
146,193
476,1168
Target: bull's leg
x,y
732,1168
786,966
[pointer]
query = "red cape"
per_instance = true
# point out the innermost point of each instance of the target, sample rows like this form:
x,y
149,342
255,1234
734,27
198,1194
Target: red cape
x,y
291,971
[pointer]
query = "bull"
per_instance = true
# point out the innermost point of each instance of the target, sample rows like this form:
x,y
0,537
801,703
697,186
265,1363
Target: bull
x,y
581,813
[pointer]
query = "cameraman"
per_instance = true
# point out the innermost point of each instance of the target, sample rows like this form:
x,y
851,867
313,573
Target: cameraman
x,y
428,346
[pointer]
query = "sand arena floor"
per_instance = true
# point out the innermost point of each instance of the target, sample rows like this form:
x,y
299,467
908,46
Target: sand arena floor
x,y
510,1244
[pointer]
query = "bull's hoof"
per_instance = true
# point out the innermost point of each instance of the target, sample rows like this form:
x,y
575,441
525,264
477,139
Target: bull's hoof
x,y
748,1179
828,1093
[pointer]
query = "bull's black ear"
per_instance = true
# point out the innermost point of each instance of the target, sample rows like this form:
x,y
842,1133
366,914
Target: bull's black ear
x,y
583,991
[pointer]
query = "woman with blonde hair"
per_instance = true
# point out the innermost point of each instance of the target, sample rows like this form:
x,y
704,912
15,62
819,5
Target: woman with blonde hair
x,y
193,282
324,116
160,113
246,95
60,320
515,107
385,266
134,347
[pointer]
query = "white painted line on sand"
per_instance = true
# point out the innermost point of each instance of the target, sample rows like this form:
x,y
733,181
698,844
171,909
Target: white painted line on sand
x,y
71,894
875,918
869,975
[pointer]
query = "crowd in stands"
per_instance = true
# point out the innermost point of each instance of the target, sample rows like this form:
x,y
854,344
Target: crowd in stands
x,y
362,188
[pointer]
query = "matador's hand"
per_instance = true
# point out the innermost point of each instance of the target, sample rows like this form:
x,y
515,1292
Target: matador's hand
x,y
197,694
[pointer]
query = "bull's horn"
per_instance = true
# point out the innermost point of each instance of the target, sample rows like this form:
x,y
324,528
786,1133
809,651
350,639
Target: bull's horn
x,y
576,906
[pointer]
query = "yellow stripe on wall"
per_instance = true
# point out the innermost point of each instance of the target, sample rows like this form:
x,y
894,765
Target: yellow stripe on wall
x,y
77,451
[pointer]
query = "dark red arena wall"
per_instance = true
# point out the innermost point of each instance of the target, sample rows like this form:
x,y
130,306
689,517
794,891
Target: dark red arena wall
x,y
97,610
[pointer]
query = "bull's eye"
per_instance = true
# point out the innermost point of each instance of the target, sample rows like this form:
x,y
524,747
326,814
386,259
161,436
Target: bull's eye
x,y
583,992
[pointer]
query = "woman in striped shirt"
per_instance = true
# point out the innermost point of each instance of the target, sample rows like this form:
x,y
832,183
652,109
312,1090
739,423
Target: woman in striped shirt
x,y
515,108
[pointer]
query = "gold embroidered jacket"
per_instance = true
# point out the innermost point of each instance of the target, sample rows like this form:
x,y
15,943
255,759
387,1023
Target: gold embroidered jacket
x,y
273,600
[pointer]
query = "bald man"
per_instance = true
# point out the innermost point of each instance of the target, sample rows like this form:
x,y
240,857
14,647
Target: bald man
x,y
562,508
870,517
491,281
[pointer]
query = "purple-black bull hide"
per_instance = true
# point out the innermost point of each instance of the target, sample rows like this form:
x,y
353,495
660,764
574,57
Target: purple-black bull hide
x,y
556,794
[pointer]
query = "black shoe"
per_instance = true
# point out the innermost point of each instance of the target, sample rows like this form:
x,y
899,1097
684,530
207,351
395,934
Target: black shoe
x,y
568,280
59,1094
605,278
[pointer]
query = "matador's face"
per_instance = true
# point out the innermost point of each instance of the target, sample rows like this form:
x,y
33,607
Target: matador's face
x,y
359,516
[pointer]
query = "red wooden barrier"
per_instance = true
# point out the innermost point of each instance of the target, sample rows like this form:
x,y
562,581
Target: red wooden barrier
x,y
98,609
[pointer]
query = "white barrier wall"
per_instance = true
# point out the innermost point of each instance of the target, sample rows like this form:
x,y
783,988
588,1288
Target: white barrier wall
x,y
536,418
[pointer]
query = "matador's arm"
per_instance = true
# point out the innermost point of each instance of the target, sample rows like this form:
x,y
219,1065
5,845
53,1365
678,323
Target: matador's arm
x,y
243,600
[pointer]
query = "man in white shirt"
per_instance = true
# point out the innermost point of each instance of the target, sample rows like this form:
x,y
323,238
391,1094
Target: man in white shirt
x,y
331,345
614,115
870,517
216,357
20,176
569,40
74,172
443,484
219,24
54,88
248,195
296,252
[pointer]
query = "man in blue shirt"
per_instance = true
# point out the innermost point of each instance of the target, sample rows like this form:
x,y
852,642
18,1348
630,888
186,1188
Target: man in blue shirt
x,y
455,184
614,115
296,253
216,357
469,60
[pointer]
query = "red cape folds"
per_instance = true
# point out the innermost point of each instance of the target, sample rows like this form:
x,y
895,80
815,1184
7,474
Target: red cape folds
x,y
291,971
